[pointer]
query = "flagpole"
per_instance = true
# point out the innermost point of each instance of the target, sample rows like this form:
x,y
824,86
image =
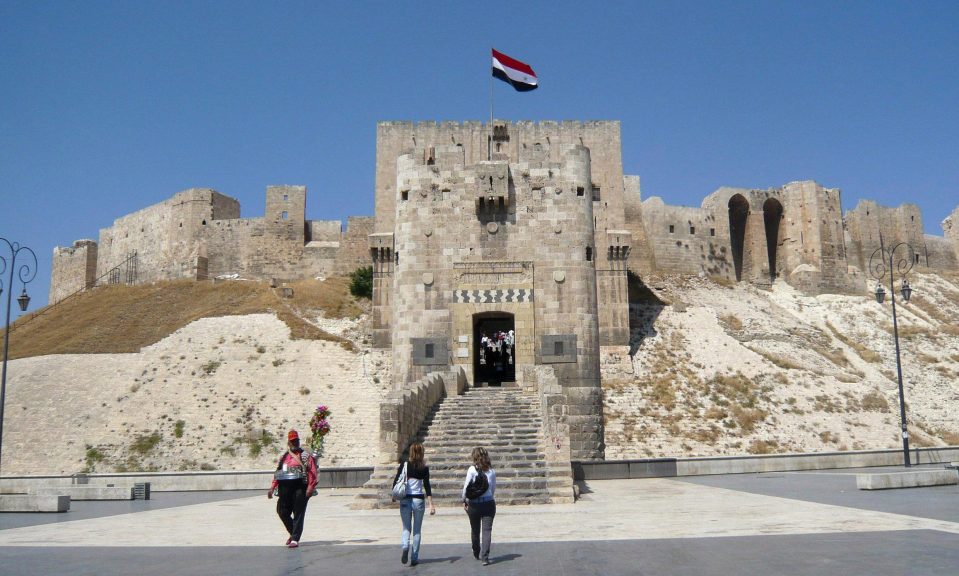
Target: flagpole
x,y
489,140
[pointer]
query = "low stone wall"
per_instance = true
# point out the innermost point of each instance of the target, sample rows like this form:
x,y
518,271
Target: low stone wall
x,y
403,411
184,481
670,467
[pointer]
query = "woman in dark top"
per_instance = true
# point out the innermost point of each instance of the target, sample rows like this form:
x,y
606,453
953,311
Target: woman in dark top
x,y
413,505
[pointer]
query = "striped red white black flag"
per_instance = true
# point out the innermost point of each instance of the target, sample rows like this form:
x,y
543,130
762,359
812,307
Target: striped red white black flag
x,y
517,74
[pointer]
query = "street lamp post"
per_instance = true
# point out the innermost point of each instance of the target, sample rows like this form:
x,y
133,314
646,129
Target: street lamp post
x,y
26,273
878,268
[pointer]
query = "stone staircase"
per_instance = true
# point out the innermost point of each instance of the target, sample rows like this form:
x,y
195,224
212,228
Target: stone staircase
x,y
508,424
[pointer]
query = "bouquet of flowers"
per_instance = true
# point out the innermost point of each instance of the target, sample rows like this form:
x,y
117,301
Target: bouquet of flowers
x,y
319,428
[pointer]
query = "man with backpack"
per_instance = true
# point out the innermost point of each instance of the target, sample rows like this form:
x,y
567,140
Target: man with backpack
x,y
294,482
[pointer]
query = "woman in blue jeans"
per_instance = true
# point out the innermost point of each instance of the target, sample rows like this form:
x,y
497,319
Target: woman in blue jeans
x,y
418,494
482,509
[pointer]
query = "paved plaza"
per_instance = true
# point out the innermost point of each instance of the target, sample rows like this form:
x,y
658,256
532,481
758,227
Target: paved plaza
x,y
781,523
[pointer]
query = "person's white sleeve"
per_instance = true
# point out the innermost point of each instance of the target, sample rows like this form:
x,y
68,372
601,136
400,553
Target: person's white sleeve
x,y
492,482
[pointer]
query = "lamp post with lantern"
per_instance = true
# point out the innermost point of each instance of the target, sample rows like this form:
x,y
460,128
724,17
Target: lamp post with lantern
x,y
26,273
881,262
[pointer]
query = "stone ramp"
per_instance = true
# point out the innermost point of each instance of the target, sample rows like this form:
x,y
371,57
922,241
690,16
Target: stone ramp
x,y
508,424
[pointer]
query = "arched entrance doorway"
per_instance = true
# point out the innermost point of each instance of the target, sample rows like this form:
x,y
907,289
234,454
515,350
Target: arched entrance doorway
x,y
738,213
772,216
494,349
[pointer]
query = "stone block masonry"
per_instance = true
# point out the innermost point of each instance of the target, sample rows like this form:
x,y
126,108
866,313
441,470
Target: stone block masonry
x,y
198,234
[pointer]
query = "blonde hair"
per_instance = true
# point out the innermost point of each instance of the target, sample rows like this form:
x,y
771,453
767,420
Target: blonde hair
x,y
417,455
481,459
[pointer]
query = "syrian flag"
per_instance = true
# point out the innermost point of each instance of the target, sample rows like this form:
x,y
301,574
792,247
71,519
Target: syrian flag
x,y
519,75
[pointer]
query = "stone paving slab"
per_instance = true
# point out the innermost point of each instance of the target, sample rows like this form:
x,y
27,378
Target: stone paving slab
x,y
917,553
608,510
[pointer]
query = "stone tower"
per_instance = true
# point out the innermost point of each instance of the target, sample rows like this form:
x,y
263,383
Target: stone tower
x,y
528,237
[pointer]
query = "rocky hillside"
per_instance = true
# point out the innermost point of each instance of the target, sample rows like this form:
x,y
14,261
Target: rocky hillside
x,y
730,370
218,393
200,379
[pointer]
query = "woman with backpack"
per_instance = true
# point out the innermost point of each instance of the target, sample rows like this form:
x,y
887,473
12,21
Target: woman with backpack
x,y
416,474
294,482
478,490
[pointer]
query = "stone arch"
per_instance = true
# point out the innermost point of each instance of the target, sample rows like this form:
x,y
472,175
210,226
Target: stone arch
x,y
738,217
772,218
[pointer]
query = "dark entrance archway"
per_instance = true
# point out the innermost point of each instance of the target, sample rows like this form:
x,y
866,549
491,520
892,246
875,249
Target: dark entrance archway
x,y
494,359
738,214
772,216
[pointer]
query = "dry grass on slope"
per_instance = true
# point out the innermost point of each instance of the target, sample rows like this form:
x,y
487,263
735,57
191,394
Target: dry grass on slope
x,y
114,319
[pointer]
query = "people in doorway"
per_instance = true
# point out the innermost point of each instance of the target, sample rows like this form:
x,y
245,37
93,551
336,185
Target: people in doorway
x,y
293,483
481,509
419,494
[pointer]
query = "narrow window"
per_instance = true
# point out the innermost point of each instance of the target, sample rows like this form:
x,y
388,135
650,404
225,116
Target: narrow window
x,y
558,348
712,231
429,351
580,191
917,258
672,229
596,194
692,229
286,197
405,195
589,253
285,215
204,222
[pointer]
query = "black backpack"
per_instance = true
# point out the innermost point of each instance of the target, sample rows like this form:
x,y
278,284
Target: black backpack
x,y
477,486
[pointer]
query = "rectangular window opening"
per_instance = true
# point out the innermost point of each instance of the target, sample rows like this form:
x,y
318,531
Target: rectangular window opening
x,y
672,229
285,215
692,229
286,197
712,231
558,348
580,191
429,351
405,195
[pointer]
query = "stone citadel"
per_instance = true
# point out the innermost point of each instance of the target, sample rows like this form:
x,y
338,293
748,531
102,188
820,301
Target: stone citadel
x,y
522,226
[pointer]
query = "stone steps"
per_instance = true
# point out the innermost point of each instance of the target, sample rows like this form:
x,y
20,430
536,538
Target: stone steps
x,y
504,421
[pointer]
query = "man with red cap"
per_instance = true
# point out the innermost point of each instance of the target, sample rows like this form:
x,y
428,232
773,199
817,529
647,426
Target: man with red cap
x,y
294,480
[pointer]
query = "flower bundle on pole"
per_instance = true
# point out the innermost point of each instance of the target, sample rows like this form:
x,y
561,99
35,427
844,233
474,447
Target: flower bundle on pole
x,y
319,427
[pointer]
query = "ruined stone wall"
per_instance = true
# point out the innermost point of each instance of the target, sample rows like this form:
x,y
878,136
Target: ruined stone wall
x,y
940,253
685,240
354,249
950,226
642,257
165,236
74,269
868,222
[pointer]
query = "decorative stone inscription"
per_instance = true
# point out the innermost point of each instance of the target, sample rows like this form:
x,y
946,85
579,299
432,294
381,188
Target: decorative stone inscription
x,y
492,296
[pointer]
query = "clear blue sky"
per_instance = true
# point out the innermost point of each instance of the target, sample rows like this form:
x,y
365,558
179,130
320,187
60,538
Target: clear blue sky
x,y
108,107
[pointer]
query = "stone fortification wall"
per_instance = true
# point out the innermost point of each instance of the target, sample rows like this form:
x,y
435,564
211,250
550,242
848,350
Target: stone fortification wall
x,y
164,235
941,253
950,226
475,239
513,142
869,223
642,257
74,269
198,233
684,239
354,251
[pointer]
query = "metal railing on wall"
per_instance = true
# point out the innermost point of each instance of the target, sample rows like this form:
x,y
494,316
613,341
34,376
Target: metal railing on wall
x,y
126,272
